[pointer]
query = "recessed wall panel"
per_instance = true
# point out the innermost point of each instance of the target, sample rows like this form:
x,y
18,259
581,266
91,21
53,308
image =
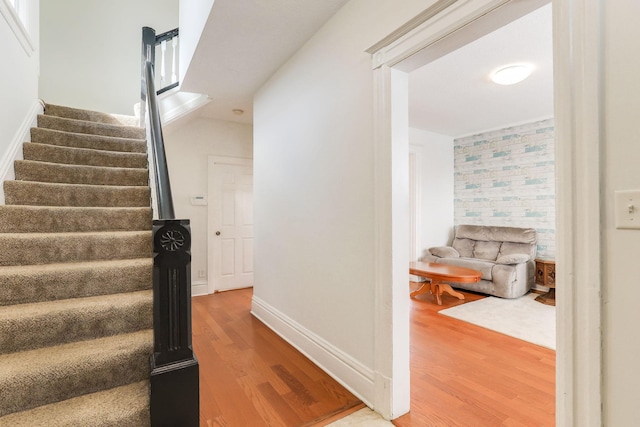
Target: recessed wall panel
x,y
247,208
247,255
228,207
228,247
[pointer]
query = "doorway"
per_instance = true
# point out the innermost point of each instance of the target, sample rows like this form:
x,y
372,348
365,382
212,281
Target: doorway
x,y
230,223
438,30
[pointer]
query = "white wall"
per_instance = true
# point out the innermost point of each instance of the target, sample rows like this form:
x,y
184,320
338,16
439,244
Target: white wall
x,y
91,50
18,83
621,269
435,153
314,186
193,17
187,148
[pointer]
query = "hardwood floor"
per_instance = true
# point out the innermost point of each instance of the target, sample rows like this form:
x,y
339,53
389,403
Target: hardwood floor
x,y
461,374
465,375
249,376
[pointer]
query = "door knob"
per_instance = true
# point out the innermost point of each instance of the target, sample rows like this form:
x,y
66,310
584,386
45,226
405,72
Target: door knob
x,y
217,233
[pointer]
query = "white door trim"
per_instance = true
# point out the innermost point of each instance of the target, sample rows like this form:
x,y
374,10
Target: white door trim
x,y
211,162
391,239
406,48
579,107
578,78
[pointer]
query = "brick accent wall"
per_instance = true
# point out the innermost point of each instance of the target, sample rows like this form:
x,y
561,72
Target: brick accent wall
x,y
506,177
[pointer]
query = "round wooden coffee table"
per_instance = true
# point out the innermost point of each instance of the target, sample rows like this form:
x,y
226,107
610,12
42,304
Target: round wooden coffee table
x,y
438,273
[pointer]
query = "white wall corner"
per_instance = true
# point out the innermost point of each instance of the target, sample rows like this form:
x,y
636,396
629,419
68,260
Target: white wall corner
x,y
199,287
14,151
350,373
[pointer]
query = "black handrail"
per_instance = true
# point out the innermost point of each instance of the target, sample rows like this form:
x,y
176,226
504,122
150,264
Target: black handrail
x,y
149,38
174,381
167,35
163,185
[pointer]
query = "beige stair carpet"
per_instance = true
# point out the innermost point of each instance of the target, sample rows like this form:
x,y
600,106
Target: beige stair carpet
x,y
75,275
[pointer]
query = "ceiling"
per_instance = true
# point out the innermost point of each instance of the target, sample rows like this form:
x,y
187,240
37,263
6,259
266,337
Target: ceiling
x,y
246,41
454,96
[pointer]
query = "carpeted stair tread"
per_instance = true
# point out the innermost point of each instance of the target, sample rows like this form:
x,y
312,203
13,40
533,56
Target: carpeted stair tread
x,y
43,248
35,325
60,219
29,170
76,272
81,126
38,377
82,156
54,194
81,140
48,282
125,406
89,115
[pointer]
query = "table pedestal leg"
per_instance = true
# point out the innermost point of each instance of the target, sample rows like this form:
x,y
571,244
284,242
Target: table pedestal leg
x,y
437,288
426,286
445,287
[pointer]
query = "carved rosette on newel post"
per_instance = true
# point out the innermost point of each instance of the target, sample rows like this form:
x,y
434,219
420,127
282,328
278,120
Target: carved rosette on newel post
x,y
174,368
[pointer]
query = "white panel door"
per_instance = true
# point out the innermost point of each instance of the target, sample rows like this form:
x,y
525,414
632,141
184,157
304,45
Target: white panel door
x,y
230,224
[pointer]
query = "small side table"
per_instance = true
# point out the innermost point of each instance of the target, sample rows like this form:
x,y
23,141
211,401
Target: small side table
x,y
546,276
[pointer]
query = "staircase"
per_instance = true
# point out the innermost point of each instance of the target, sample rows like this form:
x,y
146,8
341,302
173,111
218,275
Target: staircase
x,y
76,275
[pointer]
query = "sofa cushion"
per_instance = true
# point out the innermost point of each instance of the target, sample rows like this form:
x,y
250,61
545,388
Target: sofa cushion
x,y
486,250
484,267
497,234
509,248
444,252
513,259
464,247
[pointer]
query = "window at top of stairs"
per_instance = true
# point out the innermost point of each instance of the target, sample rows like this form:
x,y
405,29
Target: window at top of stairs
x,y
17,14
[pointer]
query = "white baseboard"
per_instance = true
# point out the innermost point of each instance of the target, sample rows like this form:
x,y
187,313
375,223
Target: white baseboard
x,y
14,151
199,287
353,375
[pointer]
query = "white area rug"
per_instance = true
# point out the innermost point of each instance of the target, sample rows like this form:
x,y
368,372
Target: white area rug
x,y
522,318
365,417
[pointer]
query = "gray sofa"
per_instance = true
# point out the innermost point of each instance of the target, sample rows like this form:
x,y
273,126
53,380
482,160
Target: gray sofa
x,y
504,255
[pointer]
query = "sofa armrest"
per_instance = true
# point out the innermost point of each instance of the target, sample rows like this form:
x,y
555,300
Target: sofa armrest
x,y
513,259
444,252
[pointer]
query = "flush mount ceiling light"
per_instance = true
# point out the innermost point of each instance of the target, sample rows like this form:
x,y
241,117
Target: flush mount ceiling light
x,y
511,74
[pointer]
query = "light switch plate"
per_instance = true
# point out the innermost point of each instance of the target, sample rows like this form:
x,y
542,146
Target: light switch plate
x,y
627,209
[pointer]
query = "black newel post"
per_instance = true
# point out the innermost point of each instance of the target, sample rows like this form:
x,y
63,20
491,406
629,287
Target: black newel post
x,y
175,398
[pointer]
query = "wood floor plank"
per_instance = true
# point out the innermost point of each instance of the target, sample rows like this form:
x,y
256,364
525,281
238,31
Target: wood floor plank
x,y
262,403
297,388
461,375
491,379
249,376
220,391
280,405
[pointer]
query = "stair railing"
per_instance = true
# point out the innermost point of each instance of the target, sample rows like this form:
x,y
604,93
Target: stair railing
x,y
174,398
166,45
